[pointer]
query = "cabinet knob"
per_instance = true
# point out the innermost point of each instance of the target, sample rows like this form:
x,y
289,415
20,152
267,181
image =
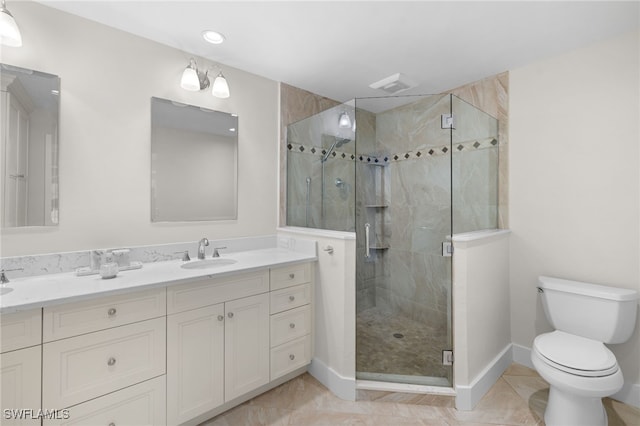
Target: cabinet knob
x,y
292,357
111,312
292,276
220,317
292,325
230,314
292,298
111,361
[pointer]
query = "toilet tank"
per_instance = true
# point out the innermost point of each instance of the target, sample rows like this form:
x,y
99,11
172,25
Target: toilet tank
x,y
602,313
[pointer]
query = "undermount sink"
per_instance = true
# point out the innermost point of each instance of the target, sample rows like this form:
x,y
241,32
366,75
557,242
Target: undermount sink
x,y
208,263
5,290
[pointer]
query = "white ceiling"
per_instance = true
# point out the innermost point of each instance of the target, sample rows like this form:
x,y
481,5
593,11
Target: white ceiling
x,y
337,48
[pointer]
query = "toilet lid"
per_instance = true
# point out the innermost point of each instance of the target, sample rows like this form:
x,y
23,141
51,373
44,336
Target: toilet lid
x,y
576,355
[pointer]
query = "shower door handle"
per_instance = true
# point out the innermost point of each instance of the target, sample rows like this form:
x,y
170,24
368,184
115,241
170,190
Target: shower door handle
x,y
367,252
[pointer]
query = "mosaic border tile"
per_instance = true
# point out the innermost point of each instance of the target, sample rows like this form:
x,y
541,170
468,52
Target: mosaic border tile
x,y
418,153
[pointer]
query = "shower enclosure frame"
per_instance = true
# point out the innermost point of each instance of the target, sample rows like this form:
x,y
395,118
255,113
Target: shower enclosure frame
x,y
460,140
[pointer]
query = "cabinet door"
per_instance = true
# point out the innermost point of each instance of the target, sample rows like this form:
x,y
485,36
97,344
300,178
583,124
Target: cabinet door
x,y
20,378
246,345
195,363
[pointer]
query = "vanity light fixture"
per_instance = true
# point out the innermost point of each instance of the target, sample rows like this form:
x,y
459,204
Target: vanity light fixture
x,y
195,80
9,32
344,122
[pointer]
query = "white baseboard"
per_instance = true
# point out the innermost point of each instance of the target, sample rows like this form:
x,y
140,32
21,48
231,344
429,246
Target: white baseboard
x,y
469,395
629,394
341,386
522,355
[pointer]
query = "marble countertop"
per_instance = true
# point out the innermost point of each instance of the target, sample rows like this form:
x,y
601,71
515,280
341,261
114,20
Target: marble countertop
x,y
46,290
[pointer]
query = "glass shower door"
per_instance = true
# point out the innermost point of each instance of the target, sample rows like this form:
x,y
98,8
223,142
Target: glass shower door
x,y
403,214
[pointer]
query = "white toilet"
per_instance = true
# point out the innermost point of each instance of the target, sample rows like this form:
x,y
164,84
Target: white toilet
x,y
580,369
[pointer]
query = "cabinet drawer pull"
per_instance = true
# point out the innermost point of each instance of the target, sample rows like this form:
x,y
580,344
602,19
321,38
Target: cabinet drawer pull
x,y
230,314
111,312
220,317
111,361
292,357
292,276
292,325
292,298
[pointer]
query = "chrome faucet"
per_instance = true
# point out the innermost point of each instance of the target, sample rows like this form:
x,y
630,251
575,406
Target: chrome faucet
x,y
201,245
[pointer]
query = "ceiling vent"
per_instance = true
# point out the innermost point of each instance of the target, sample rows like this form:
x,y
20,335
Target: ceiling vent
x,y
393,84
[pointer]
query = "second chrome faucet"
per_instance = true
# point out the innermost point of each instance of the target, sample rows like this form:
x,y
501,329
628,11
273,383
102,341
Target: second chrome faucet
x,y
201,245
201,248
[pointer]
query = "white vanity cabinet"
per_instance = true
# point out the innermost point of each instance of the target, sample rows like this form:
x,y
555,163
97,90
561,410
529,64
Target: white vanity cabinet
x,y
217,352
166,356
104,356
20,362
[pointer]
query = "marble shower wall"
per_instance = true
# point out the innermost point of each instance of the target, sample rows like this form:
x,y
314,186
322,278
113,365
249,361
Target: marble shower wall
x,y
312,202
416,281
295,105
491,95
413,203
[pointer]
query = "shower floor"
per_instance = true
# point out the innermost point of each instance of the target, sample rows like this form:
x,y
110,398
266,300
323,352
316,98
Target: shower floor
x,y
394,345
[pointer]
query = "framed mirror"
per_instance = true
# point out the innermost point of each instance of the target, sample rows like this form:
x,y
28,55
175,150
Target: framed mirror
x,y
29,142
194,163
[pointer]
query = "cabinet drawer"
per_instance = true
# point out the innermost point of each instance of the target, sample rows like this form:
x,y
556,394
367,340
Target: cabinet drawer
x,y
288,276
73,319
290,325
140,405
216,290
290,356
20,330
84,367
289,298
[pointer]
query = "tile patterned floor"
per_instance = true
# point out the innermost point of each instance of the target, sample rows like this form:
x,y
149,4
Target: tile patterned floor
x,y
518,398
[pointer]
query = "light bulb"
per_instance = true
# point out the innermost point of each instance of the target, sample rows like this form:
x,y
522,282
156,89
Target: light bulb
x,y
190,80
220,87
9,32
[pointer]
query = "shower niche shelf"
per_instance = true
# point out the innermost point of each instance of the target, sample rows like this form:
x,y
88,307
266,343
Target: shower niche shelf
x,y
380,247
376,206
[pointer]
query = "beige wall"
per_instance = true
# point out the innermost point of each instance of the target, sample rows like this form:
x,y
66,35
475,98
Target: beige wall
x,y
574,179
107,80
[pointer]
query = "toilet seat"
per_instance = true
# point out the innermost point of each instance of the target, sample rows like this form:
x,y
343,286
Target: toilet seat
x,y
575,355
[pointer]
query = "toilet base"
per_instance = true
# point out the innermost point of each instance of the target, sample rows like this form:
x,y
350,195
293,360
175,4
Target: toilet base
x,y
565,409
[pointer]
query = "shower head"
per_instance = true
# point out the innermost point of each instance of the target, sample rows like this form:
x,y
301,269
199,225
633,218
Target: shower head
x,y
336,144
342,142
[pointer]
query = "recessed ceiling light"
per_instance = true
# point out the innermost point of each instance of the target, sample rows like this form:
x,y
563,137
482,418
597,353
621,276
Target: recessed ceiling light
x,y
213,36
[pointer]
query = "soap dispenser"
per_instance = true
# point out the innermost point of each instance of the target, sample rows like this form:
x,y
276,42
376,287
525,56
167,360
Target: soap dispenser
x,y
109,268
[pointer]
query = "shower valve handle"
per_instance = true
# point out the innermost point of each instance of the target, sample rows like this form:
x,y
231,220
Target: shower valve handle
x,y
366,241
